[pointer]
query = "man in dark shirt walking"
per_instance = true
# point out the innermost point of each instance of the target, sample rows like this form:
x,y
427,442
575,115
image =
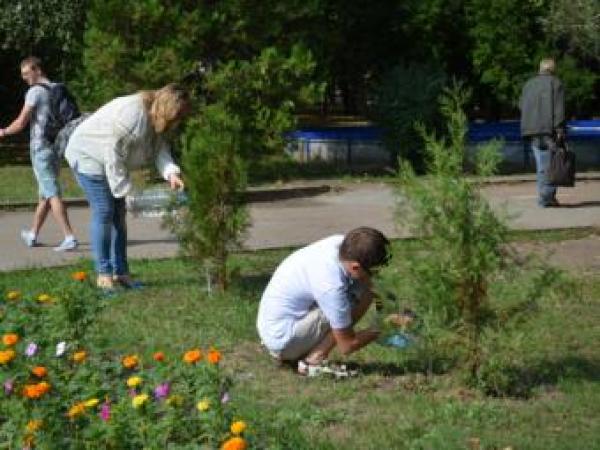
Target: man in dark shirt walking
x,y
542,107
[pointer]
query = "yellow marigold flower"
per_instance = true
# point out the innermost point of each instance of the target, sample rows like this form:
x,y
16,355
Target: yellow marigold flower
x,y
130,361
13,295
10,339
134,381
192,356
139,400
44,298
234,443
39,371
91,402
7,356
79,276
76,410
203,405
238,427
33,425
79,356
214,356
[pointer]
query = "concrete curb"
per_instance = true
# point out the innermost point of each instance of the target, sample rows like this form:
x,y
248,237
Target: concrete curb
x,y
309,189
253,195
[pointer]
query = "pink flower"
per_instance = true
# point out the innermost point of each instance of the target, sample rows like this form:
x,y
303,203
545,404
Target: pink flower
x,y
162,391
225,398
8,387
105,411
32,349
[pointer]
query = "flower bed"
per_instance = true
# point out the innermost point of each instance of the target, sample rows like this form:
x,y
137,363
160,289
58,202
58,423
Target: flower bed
x,y
60,392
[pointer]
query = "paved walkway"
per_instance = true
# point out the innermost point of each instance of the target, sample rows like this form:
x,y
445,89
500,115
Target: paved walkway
x,y
300,220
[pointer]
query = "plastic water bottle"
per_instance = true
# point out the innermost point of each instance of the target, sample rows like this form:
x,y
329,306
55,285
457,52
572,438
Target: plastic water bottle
x,y
153,202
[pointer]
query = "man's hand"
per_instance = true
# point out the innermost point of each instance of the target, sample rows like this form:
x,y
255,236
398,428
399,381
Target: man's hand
x,y
2,132
348,341
175,182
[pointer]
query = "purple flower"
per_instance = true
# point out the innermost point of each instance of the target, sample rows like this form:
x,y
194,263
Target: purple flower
x,y
32,349
225,398
8,387
105,411
162,391
132,392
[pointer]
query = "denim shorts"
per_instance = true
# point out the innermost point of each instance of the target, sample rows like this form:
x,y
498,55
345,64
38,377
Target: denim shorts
x,y
46,167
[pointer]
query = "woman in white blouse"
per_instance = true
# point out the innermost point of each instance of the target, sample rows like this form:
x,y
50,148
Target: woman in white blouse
x,y
125,134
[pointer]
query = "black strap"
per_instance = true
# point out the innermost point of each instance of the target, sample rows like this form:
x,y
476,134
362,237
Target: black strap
x,y
552,97
44,85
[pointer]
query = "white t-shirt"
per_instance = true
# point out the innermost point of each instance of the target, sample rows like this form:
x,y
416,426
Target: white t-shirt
x,y
309,276
38,98
115,139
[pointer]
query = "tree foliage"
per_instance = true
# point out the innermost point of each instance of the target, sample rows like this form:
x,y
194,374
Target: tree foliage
x,y
464,238
576,22
215,218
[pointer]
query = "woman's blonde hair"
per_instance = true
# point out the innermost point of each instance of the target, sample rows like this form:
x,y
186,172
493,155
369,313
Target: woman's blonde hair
x,y
166,105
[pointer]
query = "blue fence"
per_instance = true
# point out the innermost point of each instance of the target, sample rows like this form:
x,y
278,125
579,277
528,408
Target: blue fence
x,y
478,132
577,130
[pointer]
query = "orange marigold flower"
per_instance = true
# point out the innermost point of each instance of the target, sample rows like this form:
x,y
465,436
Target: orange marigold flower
x,y
158,356
33,425
214,356
76,410
79,356
235,443
10,339
39,371
36,390
79,276
13,295
7,356
130,361
192,356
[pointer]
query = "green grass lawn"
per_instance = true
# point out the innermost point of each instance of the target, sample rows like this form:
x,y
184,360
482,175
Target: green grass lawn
x,y
391,405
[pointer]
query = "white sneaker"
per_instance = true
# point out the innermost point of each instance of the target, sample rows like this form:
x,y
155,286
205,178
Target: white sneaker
x,y
29,238
66,245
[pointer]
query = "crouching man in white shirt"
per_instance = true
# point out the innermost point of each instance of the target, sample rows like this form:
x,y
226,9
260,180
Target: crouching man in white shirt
x,y
317,294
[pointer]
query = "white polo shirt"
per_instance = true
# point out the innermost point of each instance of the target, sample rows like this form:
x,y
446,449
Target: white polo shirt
x,y
309,277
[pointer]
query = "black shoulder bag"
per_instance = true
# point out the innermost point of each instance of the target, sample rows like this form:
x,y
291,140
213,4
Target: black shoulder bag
x,y
562,160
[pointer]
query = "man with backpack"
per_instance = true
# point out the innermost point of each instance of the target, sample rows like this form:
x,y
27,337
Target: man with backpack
x,y
48,106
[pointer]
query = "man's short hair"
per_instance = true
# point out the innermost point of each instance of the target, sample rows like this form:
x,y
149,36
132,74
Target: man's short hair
x,y
368,246
32,61
547,65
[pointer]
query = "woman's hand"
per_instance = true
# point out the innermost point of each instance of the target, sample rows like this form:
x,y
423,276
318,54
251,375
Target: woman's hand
x,y
175,182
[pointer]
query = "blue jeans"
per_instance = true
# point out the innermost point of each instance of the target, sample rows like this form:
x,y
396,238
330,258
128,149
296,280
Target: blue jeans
x,y
108,230
541,152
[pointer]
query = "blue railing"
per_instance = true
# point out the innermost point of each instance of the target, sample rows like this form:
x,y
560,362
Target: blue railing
x,y
478,132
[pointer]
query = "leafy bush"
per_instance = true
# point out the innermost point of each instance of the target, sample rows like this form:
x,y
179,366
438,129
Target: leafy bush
x,y
463,238
212,224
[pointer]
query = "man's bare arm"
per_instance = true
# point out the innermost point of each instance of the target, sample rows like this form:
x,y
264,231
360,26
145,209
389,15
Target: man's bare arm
x,y
19,123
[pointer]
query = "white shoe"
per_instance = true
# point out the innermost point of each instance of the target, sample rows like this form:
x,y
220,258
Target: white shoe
x,y
29,238
66,245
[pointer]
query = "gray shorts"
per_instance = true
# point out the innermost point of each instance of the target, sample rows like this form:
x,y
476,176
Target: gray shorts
x,y
46,167
307,333
312,329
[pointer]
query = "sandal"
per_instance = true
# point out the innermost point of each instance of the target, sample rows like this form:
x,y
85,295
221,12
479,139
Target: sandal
x,y
314,370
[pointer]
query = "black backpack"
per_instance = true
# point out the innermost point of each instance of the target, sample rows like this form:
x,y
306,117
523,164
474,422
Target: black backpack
x,y
63,109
